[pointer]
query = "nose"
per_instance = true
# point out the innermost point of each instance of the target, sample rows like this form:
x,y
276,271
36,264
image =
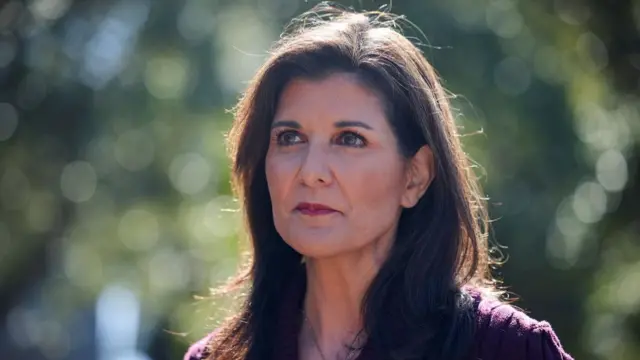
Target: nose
x,y
314,170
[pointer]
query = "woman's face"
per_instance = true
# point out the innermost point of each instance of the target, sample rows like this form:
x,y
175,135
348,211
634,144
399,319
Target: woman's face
x,y
336,178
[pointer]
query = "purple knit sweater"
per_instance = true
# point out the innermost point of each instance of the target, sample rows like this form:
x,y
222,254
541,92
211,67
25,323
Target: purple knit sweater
x,y
502,333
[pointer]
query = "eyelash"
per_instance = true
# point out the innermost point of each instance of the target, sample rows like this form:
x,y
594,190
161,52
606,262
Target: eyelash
x,y
357,135
278,133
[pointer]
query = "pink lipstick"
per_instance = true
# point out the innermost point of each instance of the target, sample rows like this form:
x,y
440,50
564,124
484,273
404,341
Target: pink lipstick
x,y
314,209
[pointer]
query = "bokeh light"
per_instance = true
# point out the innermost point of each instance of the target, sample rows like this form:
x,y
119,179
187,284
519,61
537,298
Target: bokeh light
x,y
134,150
139,229
612,171
167,77
78,181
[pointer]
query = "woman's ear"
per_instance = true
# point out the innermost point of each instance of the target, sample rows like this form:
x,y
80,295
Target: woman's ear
x,y
420,173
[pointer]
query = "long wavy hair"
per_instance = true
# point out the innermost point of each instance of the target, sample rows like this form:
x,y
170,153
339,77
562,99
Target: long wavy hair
x,y
441,246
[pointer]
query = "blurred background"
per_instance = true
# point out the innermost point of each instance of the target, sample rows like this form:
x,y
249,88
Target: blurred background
x,y
115,204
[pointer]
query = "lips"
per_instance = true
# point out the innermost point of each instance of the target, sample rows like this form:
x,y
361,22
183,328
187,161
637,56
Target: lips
x,y
314,209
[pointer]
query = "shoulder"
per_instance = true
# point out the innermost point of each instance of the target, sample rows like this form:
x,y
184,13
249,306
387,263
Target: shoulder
x,y
505,332
197,351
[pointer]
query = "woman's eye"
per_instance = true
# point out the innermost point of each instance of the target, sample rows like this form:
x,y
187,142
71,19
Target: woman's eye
x,y
349,138
288,138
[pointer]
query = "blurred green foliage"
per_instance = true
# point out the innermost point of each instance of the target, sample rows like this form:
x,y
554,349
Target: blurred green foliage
x,y
113,167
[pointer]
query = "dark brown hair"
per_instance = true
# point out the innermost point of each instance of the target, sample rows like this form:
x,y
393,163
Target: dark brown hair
x,y
441,245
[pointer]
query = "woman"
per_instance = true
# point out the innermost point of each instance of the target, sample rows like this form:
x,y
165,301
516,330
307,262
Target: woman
x,y
368,228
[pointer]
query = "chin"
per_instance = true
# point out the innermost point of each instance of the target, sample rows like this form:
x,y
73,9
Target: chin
x,y
318,246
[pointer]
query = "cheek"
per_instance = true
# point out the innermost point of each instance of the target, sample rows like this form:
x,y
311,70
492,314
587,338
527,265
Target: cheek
x,y
279,174
375,184
382,171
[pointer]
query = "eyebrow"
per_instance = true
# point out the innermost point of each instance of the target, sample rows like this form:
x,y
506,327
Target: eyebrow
x,y
352,123
339,124
286,123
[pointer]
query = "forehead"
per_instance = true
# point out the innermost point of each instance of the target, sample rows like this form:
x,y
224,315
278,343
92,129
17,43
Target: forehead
x,y
336,97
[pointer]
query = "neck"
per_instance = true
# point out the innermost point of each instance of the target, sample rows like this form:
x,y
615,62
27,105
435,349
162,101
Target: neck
x,y
335,289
